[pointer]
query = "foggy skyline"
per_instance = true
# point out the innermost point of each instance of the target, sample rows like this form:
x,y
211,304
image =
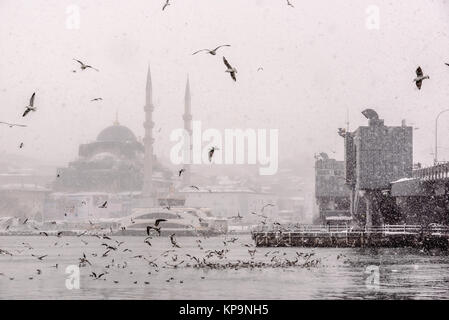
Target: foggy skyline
x,y
319,60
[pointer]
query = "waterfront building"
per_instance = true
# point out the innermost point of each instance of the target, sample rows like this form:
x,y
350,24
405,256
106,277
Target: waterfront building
x,y
331,193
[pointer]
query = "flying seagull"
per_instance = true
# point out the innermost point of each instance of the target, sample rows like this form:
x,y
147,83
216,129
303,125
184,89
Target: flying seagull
x,y
267,205
95,276
31,106
211,152
39,257
156,226
420,77
173,241
195,187
12,124
104,205
181,171
21,145
85,66
446,64
167,3
232,71
212,52
289,4
342,132
97,99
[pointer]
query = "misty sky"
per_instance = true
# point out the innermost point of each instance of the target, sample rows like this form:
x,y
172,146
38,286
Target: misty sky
x,y
319,61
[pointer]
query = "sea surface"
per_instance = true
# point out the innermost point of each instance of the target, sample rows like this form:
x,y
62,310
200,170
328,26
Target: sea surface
x,y
339,274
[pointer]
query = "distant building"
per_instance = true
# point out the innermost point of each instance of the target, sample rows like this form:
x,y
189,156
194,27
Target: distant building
x,y
86,206
113,163
228,201
331,193
116,168
23,200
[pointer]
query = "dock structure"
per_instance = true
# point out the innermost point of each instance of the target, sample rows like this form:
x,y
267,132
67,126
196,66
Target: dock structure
x,y
349,237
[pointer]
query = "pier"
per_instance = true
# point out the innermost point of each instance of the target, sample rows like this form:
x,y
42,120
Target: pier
x,y
337,236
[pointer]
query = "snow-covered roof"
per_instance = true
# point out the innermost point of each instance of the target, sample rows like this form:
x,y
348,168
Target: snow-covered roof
x,y
338,218
403,179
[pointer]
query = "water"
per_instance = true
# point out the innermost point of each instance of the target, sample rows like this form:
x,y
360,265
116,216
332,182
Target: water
x,y
403,273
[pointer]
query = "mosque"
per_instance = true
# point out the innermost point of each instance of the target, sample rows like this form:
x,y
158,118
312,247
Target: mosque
x,y
117,168
116,162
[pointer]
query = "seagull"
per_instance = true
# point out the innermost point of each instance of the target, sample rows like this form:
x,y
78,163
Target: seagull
x,y
5,252
155,227
174,266
93,274
342,132
260,69
211,152
289,4
212,52
21,145
232,71
167,3
104,205
31,106
446,64
420,77
12,124
97,99
39,257
181,171
195,187
85,66
267,205
173,241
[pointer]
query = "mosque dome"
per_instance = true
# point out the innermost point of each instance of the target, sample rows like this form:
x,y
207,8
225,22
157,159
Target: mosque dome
x,y
116,133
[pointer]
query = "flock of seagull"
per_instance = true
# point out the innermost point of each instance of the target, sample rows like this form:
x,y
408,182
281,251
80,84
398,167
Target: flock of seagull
x,y
113,257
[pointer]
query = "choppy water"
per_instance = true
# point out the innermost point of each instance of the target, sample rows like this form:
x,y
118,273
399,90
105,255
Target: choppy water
x,y
403,273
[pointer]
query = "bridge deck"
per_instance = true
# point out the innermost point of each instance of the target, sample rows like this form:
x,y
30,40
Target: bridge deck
x,y
330,236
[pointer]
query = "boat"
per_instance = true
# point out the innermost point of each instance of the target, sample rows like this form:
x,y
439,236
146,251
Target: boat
x,y
182,221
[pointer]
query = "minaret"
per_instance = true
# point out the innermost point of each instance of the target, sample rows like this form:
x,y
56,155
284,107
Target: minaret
x,y
148,140
187,117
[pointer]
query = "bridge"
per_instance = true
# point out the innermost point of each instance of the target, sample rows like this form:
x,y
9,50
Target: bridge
x,y
417,236
431,181
433,173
